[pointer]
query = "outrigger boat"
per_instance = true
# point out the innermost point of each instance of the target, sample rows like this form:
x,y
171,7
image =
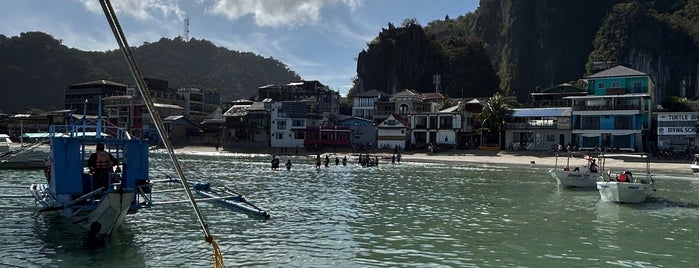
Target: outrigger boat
x,y
625,187
220,195
73,192
580,176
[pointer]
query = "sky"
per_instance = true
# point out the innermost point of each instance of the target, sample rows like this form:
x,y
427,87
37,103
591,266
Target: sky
x,y
318,39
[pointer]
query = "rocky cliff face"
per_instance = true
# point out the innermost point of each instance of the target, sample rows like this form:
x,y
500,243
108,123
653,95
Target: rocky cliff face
x,y
538,43
544,43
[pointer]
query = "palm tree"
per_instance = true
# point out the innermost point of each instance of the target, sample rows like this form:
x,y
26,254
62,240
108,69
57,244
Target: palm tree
x,y
492,118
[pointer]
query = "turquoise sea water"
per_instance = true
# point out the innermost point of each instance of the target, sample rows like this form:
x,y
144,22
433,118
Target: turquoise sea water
x,y
408,215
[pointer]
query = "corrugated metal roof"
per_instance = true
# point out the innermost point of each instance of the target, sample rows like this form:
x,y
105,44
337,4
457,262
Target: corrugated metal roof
x,y
617,71
542,112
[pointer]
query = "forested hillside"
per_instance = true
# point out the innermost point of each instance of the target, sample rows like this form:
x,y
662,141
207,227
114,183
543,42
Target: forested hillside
x,y
35,69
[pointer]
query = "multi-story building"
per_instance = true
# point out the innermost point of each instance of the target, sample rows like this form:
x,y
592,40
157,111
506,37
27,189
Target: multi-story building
x,y
324,99
435,128
538,128
364,103
201,104
86,96
289,122
616,113
248,123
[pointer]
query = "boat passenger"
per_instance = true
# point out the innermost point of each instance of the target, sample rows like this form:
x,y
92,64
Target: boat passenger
x,y
593,166
101,164
622,177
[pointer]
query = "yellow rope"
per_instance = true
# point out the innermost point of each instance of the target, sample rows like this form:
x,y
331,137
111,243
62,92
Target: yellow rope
x,y
218,256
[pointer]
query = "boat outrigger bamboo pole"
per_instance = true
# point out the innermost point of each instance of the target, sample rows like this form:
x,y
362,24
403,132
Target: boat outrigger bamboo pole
x,y
141,85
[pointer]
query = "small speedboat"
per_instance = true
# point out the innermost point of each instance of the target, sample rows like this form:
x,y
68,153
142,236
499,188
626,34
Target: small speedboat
x,y
695,165
584,176
625,186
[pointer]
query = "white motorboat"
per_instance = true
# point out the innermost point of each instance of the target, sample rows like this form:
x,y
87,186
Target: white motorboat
x,y
695,165
585,175
625,186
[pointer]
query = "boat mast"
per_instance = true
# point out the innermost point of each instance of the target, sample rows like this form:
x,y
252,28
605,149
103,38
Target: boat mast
x,y
141,85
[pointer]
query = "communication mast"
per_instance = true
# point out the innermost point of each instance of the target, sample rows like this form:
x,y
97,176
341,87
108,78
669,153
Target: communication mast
x,y
437,80
186,29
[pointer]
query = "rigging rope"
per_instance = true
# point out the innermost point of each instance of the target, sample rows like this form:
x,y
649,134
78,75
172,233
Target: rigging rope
x,y
141,85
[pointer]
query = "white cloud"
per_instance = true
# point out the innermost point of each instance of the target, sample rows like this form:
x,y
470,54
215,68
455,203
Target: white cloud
x,y
140,9
274,13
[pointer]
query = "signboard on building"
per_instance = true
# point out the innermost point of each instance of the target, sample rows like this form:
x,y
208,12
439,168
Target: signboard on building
x,y
678,117
686,131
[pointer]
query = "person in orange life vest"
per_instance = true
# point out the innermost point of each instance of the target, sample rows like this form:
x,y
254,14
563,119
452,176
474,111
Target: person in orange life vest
x,y
622,177
101,164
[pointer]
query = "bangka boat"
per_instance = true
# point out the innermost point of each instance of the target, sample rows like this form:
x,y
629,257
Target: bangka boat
x,y
28,156
584,176
625,186
99,206
695,165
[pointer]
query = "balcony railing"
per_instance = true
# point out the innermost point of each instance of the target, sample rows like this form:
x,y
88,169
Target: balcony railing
x,y
531,125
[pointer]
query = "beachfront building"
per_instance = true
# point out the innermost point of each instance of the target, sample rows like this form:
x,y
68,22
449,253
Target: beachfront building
x,y
248,124
538,129
616,113
362,131
364,103
402,103
392,132
435,128
676,130
289,121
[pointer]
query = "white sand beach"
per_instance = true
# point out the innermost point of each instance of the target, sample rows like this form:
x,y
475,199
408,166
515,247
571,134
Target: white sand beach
x,y
529,158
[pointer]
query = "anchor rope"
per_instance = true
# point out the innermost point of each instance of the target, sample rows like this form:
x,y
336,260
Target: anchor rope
x,y
141,85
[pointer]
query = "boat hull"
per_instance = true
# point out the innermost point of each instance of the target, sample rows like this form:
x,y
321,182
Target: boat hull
x,y
575,178
623,192
108,209
695,169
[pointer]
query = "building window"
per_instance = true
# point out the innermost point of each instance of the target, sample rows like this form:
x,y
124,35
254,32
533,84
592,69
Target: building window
x,y
615,84
391,122
600,85
281,125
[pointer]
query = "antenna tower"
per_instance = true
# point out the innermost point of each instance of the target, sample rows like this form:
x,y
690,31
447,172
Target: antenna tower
x,y
186,29
437,81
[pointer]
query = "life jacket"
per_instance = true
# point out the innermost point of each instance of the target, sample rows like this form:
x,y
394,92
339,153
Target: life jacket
x,y
103,161
622,177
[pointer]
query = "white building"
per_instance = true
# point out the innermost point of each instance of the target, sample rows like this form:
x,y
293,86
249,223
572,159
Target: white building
x,y
392,132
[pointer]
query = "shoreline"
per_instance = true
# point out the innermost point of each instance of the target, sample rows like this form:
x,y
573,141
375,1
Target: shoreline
x,y
518,158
